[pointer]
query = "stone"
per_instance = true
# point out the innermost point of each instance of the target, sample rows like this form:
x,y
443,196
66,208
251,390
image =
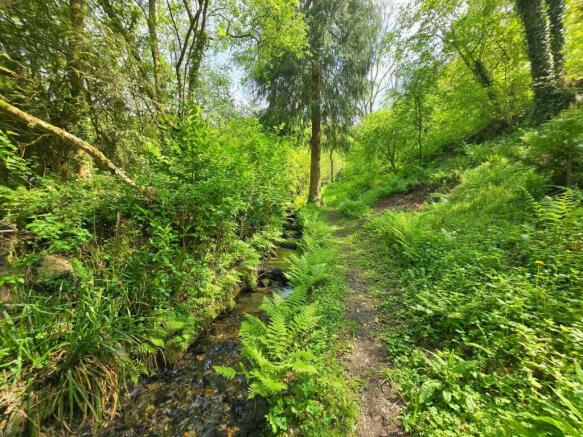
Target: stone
x,y
6,296
53,267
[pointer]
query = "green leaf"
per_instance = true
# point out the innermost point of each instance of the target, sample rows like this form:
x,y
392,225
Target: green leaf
x,y
225,372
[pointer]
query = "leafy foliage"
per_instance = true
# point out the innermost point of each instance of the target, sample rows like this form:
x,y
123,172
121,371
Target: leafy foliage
x,y
484,336
287,348
147,273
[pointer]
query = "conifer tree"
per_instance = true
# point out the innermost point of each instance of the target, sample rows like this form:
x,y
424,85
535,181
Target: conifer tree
x,y
322,88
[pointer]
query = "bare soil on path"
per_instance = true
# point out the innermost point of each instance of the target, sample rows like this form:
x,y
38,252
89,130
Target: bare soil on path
x,y
379,405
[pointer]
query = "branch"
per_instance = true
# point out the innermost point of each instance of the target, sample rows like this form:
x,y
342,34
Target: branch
x,y
7,72
34,122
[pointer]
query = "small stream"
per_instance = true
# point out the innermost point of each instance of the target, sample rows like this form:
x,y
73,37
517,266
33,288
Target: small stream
x,y
189,399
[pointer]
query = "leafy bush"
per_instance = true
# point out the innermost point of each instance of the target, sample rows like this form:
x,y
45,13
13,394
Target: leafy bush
x,y
558,147
148,272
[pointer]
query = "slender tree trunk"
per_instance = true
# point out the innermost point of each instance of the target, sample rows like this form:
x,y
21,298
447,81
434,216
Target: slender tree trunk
x,y
419,123
535,29
76,41
556,13
569,169
316,119
199,49
75,105
154,48
393,154
485,79
331,164
479,71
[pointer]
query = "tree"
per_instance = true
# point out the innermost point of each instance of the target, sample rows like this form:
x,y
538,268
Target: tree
x,y
462,28
112,72
546,93
556,14
417,75
154,48
381,136
76,105
326,83
384,47
79,144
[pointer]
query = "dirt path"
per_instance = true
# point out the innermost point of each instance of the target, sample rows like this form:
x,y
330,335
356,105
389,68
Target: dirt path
x,y
379,405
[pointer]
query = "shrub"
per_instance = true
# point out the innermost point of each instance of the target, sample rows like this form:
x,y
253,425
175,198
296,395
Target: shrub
x,y
558,147
149,271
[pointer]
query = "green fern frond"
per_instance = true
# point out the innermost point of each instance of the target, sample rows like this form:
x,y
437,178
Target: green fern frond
x,y
226,372
277,336
256,357
265,385
252,329
296,299
304,321
301,362
271,305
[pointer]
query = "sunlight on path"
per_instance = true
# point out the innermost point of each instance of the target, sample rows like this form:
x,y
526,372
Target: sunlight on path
x,y
379,405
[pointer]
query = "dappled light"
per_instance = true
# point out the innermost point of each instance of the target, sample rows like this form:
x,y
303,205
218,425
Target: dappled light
x,y
291,217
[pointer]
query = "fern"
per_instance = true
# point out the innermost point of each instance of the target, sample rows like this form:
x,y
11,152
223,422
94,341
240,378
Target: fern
x,y
296,299
304,321
251,329
264,385
226,372
301,362
256,356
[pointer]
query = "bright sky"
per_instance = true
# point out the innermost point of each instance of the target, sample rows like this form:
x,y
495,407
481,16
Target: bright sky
x,y
241,94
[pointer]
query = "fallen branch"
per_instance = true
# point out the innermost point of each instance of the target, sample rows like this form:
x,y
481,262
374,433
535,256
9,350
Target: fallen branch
x,y
36,123
5,71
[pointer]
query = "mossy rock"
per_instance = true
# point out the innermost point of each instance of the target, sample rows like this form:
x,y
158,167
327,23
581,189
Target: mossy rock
x,y
53,267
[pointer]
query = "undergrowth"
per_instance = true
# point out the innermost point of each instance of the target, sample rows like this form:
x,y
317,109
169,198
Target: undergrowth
x,y
290,351
483,304
101,285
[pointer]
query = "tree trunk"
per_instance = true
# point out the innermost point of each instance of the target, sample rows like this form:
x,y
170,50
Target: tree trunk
x,y
393,154
201,41
556,13
78,143
543,84
75,105
485,79
331,164
76,42
569,169
154,48
479,71
316,119
419,123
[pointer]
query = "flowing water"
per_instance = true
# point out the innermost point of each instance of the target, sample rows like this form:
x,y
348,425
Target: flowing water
x,y
190,399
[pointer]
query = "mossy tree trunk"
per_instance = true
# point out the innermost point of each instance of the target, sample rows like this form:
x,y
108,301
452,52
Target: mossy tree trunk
x,y
154,48
546,93
556,14
68,138
75,106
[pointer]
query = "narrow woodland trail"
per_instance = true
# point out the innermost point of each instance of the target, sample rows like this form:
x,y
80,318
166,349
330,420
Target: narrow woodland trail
x,y
379,405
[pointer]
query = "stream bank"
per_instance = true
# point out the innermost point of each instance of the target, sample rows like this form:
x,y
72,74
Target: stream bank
x,y
189,398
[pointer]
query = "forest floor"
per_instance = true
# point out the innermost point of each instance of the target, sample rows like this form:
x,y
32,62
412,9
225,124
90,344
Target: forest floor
x,y
365,360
